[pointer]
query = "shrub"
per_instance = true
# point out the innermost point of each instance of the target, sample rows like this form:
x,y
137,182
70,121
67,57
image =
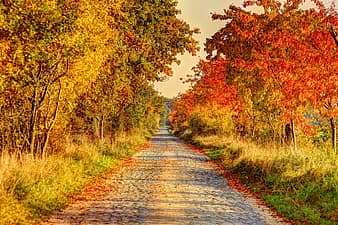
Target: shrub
x,y
211,120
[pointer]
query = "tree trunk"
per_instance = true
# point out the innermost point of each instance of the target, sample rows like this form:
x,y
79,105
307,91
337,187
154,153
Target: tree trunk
x,y
294,138
332,123
253,133
334,35
32,125
334,134
51,125
288,134
102,128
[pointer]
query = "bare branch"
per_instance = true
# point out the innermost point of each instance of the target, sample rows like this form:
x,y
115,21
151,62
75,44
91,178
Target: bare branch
x,y
334,35
61,74
43,95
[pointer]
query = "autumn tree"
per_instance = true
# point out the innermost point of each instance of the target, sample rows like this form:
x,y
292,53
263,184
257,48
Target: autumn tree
x,y
183,106
266,52
281,65
33,63
83,65
148,44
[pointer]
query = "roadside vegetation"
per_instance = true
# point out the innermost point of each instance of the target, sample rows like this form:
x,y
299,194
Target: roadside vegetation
x,y
76,92
301,184
264,102
32,188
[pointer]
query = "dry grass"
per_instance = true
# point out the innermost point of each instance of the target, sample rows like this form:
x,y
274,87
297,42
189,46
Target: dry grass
x,y
302,184
291,163
32,188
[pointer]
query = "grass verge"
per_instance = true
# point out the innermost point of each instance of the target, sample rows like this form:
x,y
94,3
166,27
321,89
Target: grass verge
x,y
301,185
30,189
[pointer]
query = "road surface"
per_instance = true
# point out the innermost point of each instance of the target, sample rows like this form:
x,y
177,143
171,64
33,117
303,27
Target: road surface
x,y
165,183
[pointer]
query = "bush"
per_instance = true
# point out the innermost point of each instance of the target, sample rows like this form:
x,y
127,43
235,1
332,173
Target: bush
x,y
211,120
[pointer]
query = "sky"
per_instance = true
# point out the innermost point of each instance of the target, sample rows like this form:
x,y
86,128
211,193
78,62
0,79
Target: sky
x,y
197,13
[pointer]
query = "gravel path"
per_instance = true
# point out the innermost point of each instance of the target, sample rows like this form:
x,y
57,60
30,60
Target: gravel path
x,y
166,183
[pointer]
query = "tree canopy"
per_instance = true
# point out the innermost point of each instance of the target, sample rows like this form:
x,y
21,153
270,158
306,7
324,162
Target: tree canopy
x,y
276,71
83,66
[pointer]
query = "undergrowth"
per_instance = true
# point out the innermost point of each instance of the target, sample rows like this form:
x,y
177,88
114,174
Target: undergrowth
x,y
30,189
301,184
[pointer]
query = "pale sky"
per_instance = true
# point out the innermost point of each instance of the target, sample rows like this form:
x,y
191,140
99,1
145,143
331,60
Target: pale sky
x,y
197,13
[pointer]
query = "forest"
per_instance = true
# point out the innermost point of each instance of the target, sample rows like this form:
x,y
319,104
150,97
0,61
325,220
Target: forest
x,y
265,103
270,76
83,67
76,92
77,97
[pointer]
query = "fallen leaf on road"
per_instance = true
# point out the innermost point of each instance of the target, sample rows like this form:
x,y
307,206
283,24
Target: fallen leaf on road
x,y
73,217
101,212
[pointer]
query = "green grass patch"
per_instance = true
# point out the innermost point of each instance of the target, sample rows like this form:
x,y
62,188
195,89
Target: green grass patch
x,y
215,154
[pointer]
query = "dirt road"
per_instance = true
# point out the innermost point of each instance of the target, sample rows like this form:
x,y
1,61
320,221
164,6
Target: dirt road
x,y
166,183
